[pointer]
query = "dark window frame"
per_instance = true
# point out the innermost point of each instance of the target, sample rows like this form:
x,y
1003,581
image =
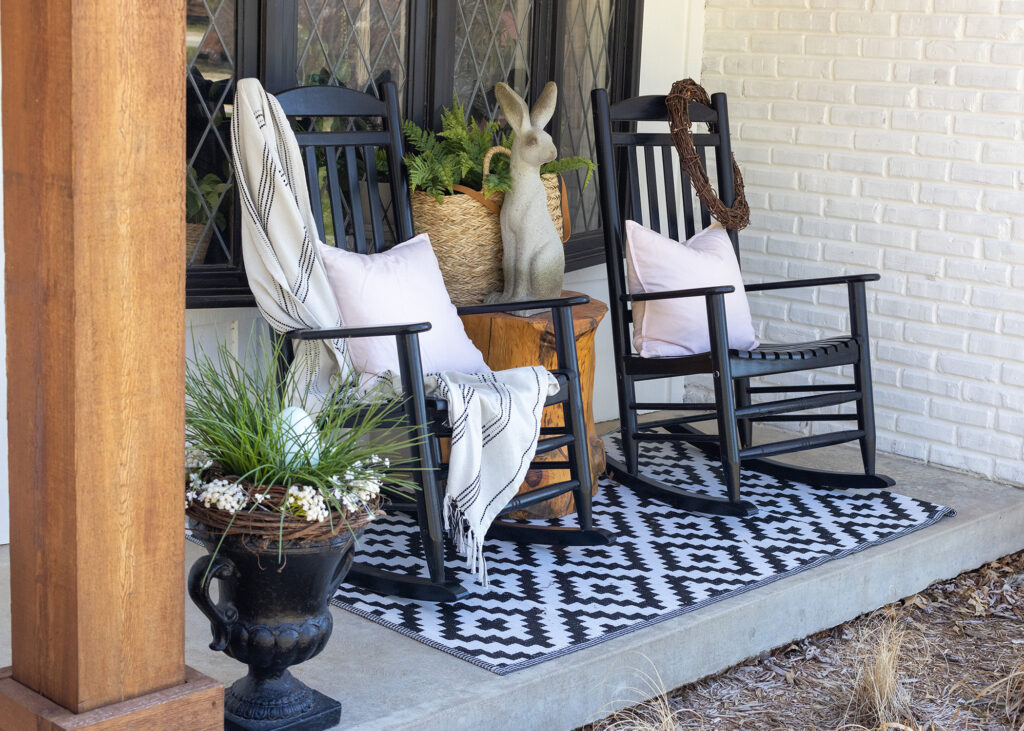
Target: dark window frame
x,y
270,55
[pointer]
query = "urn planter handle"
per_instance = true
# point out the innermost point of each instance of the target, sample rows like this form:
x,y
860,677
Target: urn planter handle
x,y
222,616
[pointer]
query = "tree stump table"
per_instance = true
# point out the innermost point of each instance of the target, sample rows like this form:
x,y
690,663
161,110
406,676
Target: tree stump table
x,y
507,341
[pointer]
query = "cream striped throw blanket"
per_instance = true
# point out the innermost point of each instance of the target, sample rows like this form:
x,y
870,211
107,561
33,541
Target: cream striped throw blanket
x,y
495,416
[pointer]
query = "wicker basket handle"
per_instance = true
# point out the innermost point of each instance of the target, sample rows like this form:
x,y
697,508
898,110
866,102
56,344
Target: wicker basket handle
x,y
478,195
491,153
566,225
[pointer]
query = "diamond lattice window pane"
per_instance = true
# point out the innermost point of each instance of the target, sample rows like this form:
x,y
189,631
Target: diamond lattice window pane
x,y
587,66
492,44
355,44
210,44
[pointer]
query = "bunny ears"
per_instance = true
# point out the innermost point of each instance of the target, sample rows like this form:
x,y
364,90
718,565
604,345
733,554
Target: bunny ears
x,y
516,112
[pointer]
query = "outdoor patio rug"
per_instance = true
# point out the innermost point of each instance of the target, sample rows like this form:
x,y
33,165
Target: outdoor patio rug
x,y
544,602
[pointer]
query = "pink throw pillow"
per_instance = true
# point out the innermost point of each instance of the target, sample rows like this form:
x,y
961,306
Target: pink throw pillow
x,y
399,286
674,327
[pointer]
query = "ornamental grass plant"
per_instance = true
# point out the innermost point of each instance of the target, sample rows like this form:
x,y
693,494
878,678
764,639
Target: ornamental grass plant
x,y
259,465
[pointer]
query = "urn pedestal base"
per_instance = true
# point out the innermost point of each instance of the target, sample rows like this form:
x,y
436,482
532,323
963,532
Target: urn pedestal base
x,y
324,713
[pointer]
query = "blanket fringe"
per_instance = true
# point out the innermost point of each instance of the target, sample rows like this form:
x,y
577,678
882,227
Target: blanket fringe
x,y
468,543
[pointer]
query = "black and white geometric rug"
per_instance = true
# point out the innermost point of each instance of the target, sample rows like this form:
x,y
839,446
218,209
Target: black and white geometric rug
x,y
544,602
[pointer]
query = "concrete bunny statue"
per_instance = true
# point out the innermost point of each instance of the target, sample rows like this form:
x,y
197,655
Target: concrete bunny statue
x,y
533,260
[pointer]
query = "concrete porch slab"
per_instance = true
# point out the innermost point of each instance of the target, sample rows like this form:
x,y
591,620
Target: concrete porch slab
x,y
387,681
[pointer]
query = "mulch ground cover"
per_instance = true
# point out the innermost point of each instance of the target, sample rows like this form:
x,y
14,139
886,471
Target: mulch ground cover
x,y
950,657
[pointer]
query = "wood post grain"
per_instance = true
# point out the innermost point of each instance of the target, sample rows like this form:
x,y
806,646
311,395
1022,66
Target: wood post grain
x,y
94,141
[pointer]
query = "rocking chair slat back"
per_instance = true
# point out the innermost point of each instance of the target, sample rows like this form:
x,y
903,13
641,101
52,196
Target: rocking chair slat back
x,y
313,182
373,183
670,209
334,193
353,207
667,163
319,101
355,200
652,188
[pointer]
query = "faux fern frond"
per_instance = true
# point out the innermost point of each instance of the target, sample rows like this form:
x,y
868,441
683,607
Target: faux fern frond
x,y
420,139
566,164
454,156
495,183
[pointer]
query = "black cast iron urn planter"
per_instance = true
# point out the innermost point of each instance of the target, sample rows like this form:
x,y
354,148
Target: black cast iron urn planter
x,y
272,616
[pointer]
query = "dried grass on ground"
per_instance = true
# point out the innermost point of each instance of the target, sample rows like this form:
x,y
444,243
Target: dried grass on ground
x,y
951,657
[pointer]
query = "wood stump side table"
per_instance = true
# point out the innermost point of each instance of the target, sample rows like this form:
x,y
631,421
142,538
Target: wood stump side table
x,y
507,341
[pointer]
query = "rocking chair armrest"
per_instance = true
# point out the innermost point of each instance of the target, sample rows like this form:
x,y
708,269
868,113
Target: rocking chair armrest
x,y
358,332
551,304
796,283
677,293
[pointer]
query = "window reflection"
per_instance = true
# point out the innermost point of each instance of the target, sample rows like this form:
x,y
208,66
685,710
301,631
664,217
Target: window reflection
x,y
354,44
492,44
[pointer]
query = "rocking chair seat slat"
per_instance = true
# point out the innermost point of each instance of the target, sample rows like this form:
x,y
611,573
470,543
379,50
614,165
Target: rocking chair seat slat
x,y
799,351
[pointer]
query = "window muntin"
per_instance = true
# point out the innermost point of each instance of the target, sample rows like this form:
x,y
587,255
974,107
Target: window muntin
x,y
209,180
587,66
355,44
492,44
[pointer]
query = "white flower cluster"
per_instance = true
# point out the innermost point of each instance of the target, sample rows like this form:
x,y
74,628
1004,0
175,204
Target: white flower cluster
x,y
306,501
219,494
196,462
360,485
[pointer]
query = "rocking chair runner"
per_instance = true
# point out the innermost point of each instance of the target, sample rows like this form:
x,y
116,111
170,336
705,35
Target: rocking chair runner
x,y
617,151
343,166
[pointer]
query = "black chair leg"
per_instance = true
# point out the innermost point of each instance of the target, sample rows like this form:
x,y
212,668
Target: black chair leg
x,y
729,436
572,416
731,505
628,424
862,375
578,459
438,587
430,518
745,426
866,418
725,397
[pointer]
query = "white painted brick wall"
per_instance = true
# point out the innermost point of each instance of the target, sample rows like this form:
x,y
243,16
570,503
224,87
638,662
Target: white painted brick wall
x,y
887,135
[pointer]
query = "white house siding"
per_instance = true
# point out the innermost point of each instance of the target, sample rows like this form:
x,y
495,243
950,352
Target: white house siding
x,y
235,327
886,135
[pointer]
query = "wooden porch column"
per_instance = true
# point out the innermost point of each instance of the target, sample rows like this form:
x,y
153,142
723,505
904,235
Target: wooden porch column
x,y
94,143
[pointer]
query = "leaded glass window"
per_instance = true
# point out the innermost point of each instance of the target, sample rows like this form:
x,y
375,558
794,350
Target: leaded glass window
x,y
587,66
492,44
209,180
355,44
433,50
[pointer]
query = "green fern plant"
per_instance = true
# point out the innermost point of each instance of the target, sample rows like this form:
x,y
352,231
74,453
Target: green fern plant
x,y
566,164
455,156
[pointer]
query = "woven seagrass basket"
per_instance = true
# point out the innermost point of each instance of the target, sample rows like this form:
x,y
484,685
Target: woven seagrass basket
x,y
197,241
465,233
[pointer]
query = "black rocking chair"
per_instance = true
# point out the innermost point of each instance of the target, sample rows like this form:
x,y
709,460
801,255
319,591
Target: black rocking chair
x,y
342,166
618,144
